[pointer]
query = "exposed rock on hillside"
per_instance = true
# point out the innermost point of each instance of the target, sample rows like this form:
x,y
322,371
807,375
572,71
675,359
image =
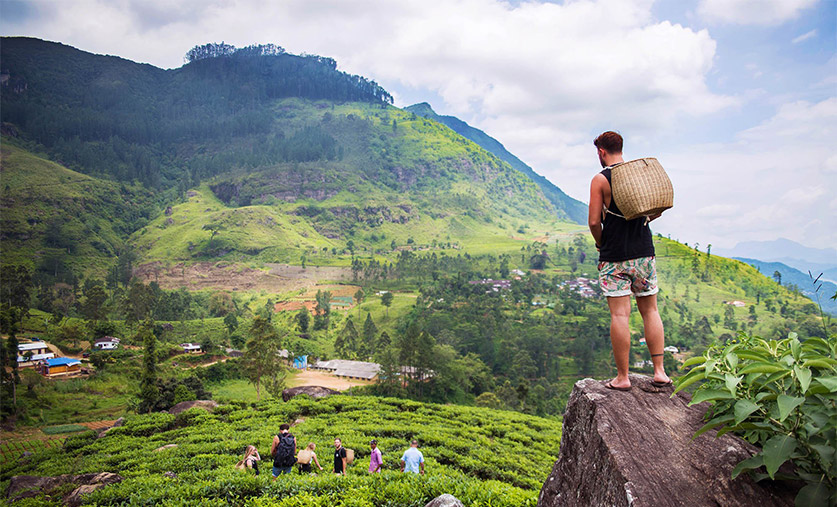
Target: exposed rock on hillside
x,y
29,486
635,449
312,391
207,405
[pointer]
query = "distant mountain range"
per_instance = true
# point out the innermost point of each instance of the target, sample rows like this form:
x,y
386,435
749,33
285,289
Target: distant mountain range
x,y
803,281
790,253
576,210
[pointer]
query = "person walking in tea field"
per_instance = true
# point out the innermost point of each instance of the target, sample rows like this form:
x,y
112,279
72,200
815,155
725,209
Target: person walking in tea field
x,y
413,459
339,457
283,451
251,459
305,457
626,266
376,461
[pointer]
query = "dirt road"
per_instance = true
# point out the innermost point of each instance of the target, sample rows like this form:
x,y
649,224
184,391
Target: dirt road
x,y
319,378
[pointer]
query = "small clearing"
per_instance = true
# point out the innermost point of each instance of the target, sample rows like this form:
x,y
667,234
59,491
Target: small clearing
x,y
319,378
275,278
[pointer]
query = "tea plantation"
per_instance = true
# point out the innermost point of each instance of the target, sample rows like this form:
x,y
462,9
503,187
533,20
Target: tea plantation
x,y
482,456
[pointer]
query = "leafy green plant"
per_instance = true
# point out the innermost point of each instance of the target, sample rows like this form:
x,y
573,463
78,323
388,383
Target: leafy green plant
x,y
779,395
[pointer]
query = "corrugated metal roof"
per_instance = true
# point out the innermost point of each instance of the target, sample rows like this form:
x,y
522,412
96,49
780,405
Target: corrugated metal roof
x,y
35,357
32,346
347,368
62,361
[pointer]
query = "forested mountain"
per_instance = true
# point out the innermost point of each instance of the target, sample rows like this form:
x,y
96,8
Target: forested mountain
x,y
290,155
803,282
573,209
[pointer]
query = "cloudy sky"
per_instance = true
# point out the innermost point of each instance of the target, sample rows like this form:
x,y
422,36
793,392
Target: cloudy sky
x,y
736,98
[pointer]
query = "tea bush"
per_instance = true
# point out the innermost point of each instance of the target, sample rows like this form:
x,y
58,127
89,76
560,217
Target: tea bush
x,y
780,395
482,456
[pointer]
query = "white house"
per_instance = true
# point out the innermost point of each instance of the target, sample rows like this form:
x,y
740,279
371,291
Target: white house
x,y
106,343
191,348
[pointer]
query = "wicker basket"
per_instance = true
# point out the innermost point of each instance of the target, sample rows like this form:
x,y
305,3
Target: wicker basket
x,y
641,188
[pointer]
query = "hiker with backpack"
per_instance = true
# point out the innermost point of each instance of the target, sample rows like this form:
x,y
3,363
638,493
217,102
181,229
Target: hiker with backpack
x,y
283,451
305,457
340,457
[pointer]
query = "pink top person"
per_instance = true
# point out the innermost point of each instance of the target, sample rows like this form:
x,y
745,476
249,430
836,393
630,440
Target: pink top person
x,y
375,459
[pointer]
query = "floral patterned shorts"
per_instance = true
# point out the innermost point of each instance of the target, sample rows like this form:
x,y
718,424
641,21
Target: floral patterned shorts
x,y
635,276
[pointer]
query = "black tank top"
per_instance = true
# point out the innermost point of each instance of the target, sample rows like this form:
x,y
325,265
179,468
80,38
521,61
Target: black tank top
x,y
622,239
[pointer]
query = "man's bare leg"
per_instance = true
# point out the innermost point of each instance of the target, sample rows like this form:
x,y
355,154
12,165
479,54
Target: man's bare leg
x,y
620,337
654,334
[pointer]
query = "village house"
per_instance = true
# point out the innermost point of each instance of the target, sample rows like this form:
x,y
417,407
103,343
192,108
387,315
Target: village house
x,y
106,343
191,348
496,285
59,366
29,353
360,370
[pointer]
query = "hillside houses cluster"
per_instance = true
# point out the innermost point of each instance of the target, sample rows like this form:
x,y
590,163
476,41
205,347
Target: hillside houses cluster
x,y
583,286
494,285
36,354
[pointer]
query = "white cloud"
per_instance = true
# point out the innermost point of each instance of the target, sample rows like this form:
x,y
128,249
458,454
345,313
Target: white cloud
x,y
753,12
805,36
772,181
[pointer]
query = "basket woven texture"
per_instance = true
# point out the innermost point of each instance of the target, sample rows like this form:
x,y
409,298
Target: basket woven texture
x,y
304,457
641,188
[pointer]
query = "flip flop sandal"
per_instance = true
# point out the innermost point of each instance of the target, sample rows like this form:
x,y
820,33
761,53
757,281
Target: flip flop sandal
x,y
610,385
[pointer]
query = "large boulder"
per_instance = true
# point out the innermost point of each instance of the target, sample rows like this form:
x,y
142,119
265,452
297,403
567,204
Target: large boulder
x,y
446,500
207,405
635,448
312,391
29,486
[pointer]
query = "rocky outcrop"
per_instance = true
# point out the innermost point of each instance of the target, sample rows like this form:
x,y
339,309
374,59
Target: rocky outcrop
x,y
312,391
635,448
208,405
29,486
445,500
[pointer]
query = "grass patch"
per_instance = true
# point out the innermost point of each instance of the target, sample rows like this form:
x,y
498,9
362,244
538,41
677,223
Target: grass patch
x,y
64,428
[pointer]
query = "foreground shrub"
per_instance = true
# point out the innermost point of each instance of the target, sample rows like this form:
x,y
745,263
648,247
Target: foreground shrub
x,y
779,395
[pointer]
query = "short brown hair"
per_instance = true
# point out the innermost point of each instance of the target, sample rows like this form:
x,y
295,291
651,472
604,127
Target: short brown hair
x,y
609,141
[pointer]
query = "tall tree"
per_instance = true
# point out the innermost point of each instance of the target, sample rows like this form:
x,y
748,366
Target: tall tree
x,y
149,392
346,343
359,296
303,320
386,300
262,363
370,332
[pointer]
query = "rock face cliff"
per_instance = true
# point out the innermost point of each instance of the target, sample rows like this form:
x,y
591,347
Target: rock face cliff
x,y
635,449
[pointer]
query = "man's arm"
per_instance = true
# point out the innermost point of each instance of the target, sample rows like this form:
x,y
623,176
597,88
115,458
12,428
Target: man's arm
x,y
345,469
594,213
274,445
402,464
421,466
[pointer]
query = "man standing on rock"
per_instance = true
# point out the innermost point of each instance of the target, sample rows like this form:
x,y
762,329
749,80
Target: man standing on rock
x,y
626,266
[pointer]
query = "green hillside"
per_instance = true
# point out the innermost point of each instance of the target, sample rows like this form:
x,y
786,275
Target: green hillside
x,y
482,456
288,156
61,223
567,206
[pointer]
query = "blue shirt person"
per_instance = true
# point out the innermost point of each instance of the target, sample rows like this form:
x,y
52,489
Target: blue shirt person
x,y
413,459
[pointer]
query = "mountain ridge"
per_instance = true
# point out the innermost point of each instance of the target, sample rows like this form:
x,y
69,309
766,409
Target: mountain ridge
x,y
575,210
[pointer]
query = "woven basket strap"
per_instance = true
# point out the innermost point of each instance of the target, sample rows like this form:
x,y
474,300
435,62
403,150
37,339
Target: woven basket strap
x,y
647,218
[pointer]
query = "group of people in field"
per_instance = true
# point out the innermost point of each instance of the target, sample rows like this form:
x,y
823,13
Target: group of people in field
x,y
283,450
